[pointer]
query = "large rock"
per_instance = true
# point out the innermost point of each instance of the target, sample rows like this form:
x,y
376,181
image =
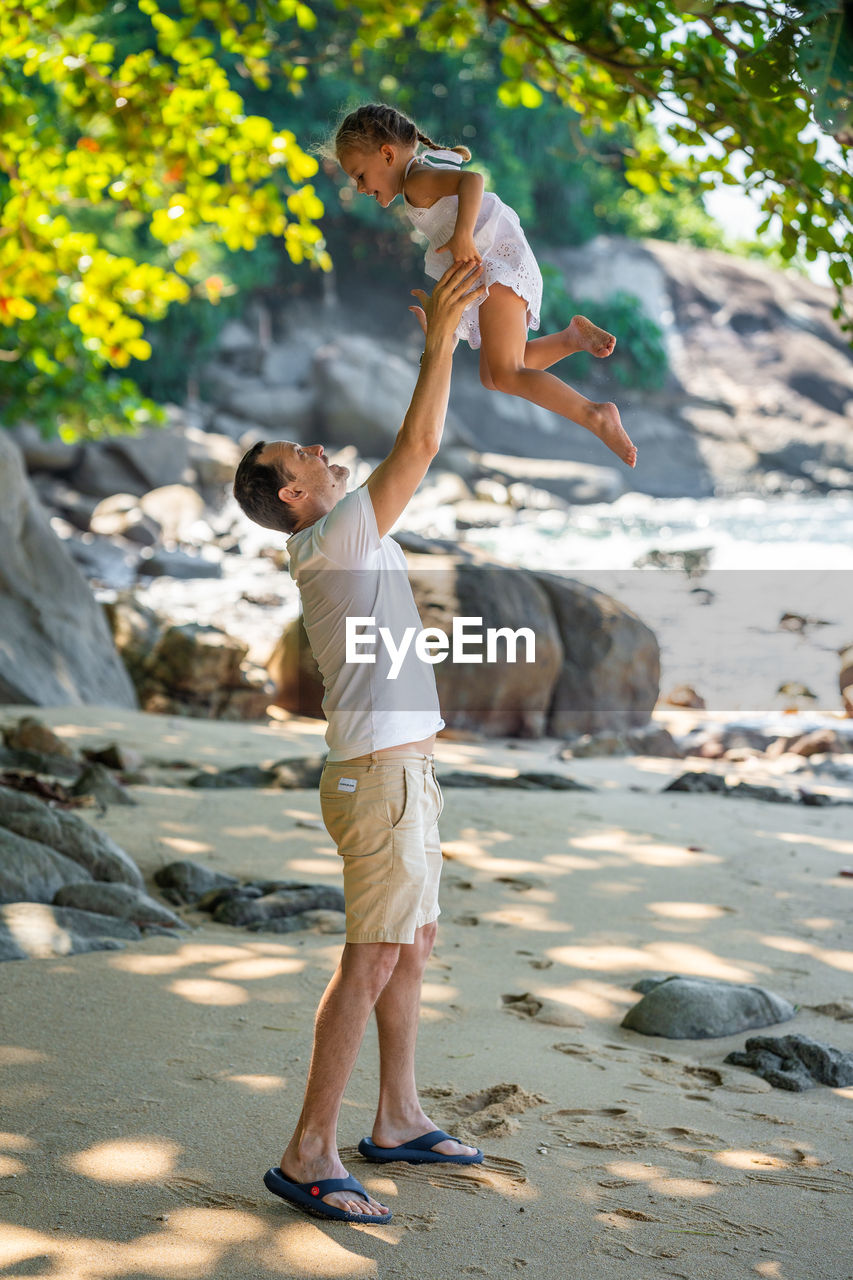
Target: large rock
x,y
703,1008
119,900
596,667
32,872
135,464
93,850
33,930
56,647
364,392
610,674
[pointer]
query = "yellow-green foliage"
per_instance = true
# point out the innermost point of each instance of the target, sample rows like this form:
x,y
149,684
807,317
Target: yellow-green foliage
x,y
160,134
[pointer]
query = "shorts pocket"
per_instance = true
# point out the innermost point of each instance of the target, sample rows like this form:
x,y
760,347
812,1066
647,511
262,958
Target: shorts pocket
x,y
398,792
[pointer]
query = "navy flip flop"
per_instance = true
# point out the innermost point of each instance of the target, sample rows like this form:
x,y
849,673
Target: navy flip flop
x,y
308,1196
418,1151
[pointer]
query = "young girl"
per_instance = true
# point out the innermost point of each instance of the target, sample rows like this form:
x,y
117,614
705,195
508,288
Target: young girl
x,y
377,147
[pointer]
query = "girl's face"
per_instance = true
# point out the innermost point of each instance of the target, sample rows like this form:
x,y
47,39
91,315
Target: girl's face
x,y
377,172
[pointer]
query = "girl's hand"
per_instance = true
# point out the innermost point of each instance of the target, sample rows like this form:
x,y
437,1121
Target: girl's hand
x,y
462,247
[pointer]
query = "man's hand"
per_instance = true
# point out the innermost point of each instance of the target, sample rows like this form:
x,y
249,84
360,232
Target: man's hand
x,y
420,316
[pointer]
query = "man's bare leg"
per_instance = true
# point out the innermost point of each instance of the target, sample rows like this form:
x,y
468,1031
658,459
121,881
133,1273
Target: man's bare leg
x,y
400,1116
346,1005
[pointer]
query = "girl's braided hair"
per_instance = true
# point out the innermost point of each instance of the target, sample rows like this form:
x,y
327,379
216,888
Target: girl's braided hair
x,y
375,124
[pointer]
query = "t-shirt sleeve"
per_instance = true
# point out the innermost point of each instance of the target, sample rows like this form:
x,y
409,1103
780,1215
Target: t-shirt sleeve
x,y
348,535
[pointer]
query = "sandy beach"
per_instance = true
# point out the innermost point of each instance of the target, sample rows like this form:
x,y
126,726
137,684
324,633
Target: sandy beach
x,y
146,1090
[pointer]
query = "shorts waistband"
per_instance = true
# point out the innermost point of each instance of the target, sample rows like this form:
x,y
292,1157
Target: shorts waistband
x,y
375,758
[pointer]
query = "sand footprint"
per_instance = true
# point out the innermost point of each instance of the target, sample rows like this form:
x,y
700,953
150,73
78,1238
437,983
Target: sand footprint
x,y
541,1009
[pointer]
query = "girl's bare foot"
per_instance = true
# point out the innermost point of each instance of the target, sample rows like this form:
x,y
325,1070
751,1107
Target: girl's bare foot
x,y
607,425
583,335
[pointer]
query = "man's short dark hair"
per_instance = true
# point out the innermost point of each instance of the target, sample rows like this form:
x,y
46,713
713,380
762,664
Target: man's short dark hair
x,y
256,487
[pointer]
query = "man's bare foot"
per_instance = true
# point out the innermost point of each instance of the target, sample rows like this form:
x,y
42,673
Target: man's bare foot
x,y
583,335
607,425
346,1200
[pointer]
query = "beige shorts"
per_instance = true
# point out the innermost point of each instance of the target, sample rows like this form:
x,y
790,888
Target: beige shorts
x,y
383,816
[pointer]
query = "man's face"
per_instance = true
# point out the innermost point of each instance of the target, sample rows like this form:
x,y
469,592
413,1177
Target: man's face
x,y
320,482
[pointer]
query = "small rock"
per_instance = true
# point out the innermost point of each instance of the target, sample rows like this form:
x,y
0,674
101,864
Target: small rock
x,y
815,743
30,734
178,564
684,695
795,1062
252,913
519,782
302,774
115,756
187,881
704,1008
698,783
96,780
242,775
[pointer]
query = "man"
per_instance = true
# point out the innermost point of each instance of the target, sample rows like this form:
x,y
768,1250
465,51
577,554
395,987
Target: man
x,y
379,797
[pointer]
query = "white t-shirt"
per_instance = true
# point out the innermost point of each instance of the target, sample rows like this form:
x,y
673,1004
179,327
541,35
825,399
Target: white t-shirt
x,y
345,570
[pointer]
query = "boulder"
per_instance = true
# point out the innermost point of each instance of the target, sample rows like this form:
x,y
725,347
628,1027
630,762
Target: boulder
x,y
134,464
31,871
363,393
30,734
187,881
56,648
122,515
30,930
610,673
44,453
845,679
68,833
196,659
596,667
213,457
176,563
573,482
703,1008
175,508
120,900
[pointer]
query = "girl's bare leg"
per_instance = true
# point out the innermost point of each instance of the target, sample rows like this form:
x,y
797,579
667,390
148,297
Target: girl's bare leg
x,y
581,335
503,329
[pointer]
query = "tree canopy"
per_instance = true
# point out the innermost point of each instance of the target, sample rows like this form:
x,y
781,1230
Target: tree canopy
x,y
140,140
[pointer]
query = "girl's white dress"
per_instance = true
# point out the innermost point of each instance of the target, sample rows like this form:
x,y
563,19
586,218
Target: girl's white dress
x,y
507,257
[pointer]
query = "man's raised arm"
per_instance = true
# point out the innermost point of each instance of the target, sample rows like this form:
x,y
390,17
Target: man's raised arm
x,y
392,485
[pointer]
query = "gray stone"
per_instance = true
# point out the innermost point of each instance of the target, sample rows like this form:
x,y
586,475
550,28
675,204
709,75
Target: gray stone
x,y
699,783
187,881
242,775
44,453
704,1008
319,921
57,649
106,561
795,1062
213,457
121,515
175,508
572,482
520,782
33,930
364,392
288,364
96,780
33,872
610,673
215,897
178,564
120,900
70,835
301,774
256,912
